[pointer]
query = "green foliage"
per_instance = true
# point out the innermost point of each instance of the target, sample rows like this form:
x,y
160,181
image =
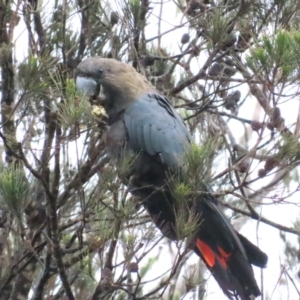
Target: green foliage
x,y
103,228
181,191
192,278
187,221
94,208
147,267
74,107
159,67
33,76
288,149
297,224
197,158
127,209
276,57
130,243
5,51
14,190
135,10
217,27
125,165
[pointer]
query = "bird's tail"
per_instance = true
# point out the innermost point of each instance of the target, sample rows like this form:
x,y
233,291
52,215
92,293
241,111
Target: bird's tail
x,y
232,271
227,254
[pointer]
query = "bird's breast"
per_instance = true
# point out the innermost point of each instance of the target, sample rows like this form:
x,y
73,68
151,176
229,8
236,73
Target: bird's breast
x,y
116,138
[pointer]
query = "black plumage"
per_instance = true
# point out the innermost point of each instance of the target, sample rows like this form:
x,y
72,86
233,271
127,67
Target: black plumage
x,y
143,121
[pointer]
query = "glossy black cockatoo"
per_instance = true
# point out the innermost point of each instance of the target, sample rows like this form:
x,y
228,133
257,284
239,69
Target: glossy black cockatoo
x,y
142,121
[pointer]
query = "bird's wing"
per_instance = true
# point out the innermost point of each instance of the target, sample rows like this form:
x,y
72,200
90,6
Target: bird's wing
x,y
222,230
155,127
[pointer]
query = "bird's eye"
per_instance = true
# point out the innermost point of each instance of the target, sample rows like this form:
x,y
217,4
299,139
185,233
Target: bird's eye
x,y
100,71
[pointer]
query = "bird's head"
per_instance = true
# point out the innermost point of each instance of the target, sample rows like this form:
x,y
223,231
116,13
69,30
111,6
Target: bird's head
x,y
120,82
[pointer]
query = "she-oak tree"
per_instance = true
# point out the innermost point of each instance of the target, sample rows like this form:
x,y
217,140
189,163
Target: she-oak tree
x,y
69,229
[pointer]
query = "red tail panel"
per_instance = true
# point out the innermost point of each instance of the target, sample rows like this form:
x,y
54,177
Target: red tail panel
x,y
210,256
206,252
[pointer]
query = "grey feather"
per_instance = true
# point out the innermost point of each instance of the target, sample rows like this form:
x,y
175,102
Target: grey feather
x,y
140,136
155,128
154,140
147,136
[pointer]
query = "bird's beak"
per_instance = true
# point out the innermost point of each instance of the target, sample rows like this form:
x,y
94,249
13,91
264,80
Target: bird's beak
x,y
87,86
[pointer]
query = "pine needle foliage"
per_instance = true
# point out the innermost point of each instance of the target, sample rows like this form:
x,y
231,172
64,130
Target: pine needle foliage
x,y
69,226
14,191
74,109
275,54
